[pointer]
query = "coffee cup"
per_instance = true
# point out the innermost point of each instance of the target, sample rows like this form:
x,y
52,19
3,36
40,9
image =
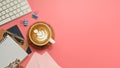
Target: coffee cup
x,y
41,34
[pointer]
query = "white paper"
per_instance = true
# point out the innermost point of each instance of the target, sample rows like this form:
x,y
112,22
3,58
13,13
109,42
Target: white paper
x,y
42,61
48,62
34,63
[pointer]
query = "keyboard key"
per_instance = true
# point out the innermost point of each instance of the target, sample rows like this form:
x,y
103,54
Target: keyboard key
x,y
0,4
28,10
13,17
0,9
11,13
14,7
8,5
18,10
15,2
0,19
10,9
7,10
18,5
1,0
7,1
4,7
6,15
4,2
3,12
11,0
0,14
15,12
11,4
3,17
21,13
23,3
25,7
17,15
19,1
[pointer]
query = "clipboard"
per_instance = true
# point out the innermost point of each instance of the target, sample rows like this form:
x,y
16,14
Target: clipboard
x,y
21,42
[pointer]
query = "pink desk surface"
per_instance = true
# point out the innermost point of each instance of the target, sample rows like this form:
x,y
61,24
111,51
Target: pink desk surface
x,y
87,32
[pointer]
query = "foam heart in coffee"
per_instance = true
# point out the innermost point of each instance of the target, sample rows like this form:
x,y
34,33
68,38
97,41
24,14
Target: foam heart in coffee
x,y
40,33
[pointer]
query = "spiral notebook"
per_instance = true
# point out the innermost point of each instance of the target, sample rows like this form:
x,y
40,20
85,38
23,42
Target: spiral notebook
x,y
10,51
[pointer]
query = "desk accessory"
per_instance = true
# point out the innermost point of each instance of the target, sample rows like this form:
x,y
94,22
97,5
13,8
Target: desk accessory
x,y
25,22
35,15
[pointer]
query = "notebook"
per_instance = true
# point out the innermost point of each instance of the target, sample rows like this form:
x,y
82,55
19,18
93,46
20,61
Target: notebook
x,y
10,51
42,61
15,30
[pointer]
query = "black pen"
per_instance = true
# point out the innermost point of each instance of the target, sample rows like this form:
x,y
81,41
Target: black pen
x,y
17,38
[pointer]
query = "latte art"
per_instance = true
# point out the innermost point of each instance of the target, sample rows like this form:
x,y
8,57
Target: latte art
x,y
41,35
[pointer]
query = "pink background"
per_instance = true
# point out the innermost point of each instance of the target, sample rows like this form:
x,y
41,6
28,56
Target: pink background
x,y
87,32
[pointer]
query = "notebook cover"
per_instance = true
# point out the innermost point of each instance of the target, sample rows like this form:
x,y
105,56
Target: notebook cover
x,y
14,29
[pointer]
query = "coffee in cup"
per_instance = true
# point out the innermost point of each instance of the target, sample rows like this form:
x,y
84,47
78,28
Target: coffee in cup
x,y
40,34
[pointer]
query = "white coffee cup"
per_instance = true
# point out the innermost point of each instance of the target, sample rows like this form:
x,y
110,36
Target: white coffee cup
x,y
41,33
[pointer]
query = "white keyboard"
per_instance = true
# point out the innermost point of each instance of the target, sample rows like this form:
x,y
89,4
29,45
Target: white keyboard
x,y
12,9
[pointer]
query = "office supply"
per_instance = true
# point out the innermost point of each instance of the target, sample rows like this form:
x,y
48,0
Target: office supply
x,y
18,39
15,30
25,22
42,61
12,9
35,16
10,51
